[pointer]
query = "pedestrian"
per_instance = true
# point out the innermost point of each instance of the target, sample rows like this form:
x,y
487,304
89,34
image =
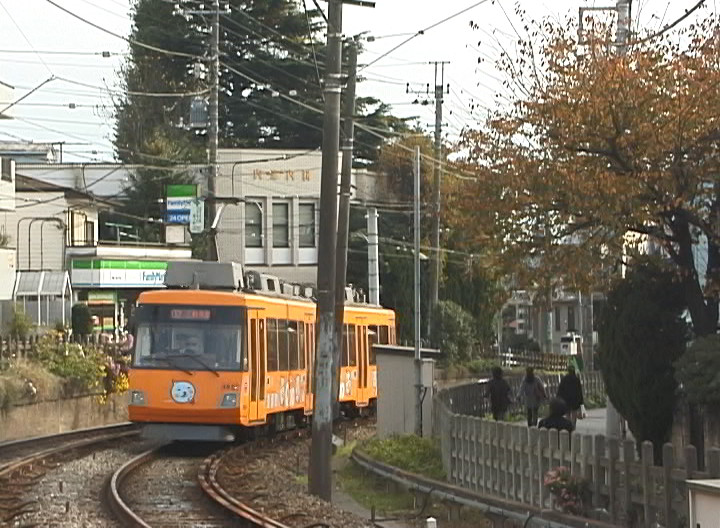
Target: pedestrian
x,y
556,417
532,393
571,392
499,392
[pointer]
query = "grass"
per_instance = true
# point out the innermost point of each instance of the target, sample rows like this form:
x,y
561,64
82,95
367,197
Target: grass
x,y
408,452
372,491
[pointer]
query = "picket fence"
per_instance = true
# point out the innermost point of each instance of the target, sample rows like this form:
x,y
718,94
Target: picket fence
x,y
11,349
509,461
518,357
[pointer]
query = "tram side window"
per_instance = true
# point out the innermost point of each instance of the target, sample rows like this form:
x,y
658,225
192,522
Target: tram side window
x,y
283,344
352,356
293,336
301,345
272,345
343,359
372,340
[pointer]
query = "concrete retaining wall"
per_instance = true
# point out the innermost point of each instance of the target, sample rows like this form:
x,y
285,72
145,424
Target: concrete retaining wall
x,y
51,417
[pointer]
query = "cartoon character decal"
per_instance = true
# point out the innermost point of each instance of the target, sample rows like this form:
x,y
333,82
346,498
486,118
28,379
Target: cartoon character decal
x,y
182,392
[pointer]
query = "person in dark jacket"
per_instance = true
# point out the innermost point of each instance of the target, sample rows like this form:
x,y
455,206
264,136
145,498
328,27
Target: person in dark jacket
x,y
556,418
571,392
499,393
532,393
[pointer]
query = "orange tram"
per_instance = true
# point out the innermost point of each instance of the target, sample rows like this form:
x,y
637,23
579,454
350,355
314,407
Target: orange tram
x,y
220,354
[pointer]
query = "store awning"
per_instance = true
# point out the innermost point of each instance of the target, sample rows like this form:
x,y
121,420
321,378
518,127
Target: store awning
x,y
42,284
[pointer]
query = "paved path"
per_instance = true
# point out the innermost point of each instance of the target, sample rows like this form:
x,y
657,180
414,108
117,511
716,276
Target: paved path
x,y
594,423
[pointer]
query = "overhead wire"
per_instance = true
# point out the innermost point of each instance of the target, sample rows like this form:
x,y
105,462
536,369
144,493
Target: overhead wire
x,y
26,38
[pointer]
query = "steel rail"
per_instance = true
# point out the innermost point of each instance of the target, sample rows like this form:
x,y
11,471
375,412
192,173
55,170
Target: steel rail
x,y
528,516
208,482
119,507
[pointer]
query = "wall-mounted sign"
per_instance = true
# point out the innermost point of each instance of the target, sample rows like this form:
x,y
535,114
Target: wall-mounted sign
x,y
117,273
178,203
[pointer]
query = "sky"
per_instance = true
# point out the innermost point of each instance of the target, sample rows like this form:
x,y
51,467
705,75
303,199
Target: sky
x,y
30,29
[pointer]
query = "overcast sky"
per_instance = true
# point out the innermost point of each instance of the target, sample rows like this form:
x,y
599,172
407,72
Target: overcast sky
x,y
31,28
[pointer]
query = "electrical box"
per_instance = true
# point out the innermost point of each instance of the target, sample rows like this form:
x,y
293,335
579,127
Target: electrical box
x,y
397,391
704,503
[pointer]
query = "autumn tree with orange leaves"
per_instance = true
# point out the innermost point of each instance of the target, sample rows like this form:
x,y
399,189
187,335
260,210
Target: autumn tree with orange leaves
x,y
597,149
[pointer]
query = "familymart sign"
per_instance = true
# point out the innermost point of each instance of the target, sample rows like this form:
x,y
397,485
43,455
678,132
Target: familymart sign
x,y
86,273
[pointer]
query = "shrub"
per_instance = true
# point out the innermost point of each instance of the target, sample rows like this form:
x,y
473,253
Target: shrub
x,y
81,322
82,368
408,452
698,369
20,324
570,494
481,366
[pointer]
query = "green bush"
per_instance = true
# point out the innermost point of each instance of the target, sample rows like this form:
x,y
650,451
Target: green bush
x,y
81,321
83,369
481,366
20,324
455,331
408,452
698,369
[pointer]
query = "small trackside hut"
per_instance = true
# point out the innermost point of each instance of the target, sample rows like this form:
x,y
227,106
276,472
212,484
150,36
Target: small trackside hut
x,y
223,352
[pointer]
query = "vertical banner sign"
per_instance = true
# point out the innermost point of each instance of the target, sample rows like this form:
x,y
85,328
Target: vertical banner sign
x,y
197,216
179,202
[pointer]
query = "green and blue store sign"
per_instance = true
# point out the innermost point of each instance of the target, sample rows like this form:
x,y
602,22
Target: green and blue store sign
x,y
96,273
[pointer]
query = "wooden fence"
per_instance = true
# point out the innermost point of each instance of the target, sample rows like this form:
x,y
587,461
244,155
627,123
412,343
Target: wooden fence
x,y
518,357
509,461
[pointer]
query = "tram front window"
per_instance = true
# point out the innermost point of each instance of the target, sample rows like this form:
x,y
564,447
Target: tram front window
x,y
213,340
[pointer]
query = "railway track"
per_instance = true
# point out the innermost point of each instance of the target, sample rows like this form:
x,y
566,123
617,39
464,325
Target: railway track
x,y
163,487
24,463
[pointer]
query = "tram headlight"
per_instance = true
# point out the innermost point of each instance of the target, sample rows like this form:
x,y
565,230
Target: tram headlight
x,y
229,400
137,397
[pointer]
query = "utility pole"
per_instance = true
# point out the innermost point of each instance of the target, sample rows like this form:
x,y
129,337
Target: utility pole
x,y
348,127
435,265
212,250
416,261
320,476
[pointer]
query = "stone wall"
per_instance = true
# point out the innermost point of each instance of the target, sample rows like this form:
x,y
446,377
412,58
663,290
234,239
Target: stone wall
x,y
51,417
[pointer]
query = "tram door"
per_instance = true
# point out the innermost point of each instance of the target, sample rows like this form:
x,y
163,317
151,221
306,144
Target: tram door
x,y
362,364
257,369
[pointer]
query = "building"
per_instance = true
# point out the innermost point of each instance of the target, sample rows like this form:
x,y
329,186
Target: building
x,y
29,152
7,250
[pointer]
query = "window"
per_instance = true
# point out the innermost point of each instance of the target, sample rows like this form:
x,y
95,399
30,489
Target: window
x,y
301,342
7,169
282,345
379,335
349,357
253,225
571,319
272,345
89,233
281,230
557,319
307,225
293,336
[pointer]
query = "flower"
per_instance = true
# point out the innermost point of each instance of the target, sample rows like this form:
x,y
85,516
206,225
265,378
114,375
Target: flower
x,y
569,492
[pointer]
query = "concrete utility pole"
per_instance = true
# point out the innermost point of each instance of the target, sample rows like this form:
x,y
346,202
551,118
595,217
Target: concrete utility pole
x,y
437,178
320,476
212,252
416,260
348,126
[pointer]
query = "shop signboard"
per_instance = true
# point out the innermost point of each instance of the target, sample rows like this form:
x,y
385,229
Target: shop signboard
x,y
102,297
197,216
178,201
117,273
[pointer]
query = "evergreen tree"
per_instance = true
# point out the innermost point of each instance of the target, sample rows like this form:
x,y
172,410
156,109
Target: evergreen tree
x,y
642,333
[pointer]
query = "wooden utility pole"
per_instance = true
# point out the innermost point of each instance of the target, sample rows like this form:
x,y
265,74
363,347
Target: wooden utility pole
x,y
212,252
416,292
348,127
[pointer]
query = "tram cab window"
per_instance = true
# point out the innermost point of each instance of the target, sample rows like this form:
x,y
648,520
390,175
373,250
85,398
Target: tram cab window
x,y
195,338
377,335
301,345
